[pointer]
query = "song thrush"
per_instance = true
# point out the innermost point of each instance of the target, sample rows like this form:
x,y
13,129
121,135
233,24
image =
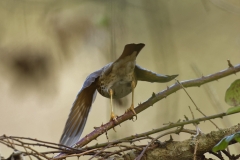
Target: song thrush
x,y
115,80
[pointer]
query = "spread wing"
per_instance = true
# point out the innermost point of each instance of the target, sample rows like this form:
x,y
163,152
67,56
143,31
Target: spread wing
x,y
78,115
146,75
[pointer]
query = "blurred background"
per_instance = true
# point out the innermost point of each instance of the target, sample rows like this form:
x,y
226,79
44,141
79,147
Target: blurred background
x,y
48,48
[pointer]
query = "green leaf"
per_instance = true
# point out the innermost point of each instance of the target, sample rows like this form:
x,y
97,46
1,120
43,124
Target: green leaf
x,y
232,95
233,110
225,142
237,137
220,146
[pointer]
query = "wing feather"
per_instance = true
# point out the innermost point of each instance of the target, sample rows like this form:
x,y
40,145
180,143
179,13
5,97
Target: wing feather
x,y
146,75
80,109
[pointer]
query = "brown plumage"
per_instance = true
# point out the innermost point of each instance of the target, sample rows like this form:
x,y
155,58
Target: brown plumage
x,y
119,78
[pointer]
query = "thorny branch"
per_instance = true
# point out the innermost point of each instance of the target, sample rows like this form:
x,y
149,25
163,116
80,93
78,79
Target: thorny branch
x,y
102,150
205,143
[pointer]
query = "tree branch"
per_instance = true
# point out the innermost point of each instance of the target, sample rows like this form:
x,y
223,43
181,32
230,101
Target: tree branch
x,y
155,98
175,150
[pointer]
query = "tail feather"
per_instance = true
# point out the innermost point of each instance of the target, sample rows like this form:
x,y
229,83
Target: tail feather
x,y
129,49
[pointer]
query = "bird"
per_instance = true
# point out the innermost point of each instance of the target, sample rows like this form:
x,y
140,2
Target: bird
x,y
114,81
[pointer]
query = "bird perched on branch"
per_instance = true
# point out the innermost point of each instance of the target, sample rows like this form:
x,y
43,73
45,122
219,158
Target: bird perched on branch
x,y
114,81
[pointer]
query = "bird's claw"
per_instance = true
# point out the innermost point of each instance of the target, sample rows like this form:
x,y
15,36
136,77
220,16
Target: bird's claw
x,y
113,117
133,110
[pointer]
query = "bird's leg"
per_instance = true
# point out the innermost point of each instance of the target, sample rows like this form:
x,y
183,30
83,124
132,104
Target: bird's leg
x,y
133,85
112,115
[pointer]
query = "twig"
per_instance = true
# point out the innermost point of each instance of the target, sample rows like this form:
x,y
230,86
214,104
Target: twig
x,y
173,125
76,155
26,152
12,144
60,146
141,138
196,105
198,131
33,150
130,147
214,99
218,154
195,150
144,150
191,112
115,152
100,151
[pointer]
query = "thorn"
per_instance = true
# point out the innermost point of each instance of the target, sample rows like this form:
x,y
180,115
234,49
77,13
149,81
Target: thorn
x,y
171,139
167,88
107,136
229,64
153,95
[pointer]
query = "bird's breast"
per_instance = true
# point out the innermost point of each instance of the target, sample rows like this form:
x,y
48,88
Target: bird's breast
x,y
120,89
118,76
121,85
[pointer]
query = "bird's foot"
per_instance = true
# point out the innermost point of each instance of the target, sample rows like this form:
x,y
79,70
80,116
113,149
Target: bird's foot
x,y
113,117
133,110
